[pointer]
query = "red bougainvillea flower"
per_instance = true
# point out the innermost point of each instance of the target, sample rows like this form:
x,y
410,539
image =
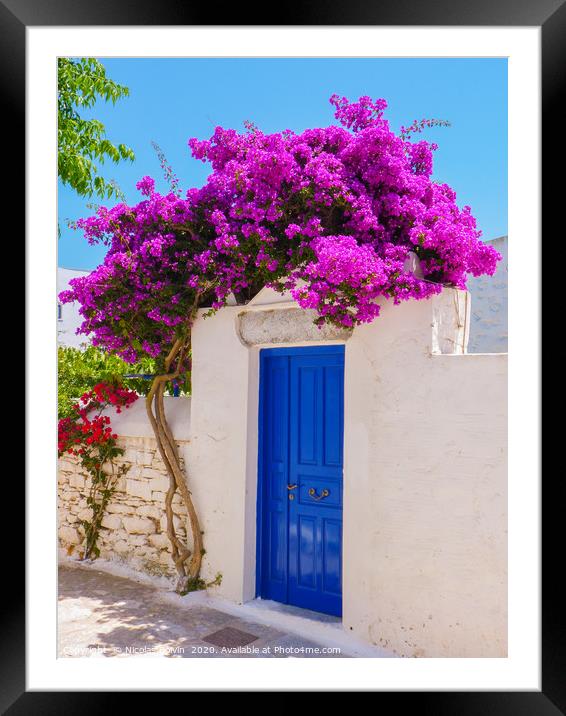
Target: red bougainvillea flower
x,y
92,430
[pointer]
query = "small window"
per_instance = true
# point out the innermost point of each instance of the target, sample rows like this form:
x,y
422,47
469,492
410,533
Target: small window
x,y
59,312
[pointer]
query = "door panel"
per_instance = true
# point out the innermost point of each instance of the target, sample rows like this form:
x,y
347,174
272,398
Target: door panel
x,y
333,418
332,551
306,571
307,483
301,448
277,542
307,415
274,514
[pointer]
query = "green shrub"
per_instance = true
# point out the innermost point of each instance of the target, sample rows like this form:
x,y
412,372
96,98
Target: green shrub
x,y
80,370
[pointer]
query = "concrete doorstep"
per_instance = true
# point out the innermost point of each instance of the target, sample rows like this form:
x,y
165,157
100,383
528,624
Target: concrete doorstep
x,y
105,610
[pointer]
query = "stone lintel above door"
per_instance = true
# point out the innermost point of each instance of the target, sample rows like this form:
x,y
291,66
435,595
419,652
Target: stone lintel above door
x,y
280,325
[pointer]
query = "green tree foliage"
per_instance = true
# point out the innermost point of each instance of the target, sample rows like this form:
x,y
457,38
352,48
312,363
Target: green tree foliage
x,y
80,370
82,143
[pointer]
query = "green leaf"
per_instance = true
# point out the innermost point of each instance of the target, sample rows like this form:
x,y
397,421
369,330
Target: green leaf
x,y
80,141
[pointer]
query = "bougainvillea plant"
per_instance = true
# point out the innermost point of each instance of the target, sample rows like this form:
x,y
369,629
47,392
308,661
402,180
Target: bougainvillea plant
x,y
331,215
88,435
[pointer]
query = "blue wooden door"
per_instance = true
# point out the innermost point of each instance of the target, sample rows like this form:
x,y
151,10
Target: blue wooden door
x,y
300,477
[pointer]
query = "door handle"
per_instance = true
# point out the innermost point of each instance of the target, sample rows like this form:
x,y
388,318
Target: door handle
x,y
292,487
323,494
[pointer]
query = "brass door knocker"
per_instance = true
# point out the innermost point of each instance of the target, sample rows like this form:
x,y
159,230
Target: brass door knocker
x,y
323,494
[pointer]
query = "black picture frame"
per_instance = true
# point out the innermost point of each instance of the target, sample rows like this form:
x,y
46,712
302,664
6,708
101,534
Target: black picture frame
x,y
550,15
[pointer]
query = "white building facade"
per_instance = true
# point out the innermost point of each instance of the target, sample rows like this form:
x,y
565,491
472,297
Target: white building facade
x,y
488,324
68,317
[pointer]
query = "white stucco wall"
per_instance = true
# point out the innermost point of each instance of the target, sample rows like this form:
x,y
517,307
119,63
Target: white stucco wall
x,y
488,326
70,318
424,475
133,422
425,492
216,454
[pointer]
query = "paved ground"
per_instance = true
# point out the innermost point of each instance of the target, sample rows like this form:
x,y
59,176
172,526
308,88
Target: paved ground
x,y
102,615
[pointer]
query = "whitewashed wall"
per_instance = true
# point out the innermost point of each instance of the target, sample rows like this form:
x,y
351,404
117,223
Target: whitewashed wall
x,y
425,498
424,477
216,452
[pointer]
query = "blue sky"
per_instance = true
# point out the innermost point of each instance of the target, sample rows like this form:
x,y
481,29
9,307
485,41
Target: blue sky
x,y
174,99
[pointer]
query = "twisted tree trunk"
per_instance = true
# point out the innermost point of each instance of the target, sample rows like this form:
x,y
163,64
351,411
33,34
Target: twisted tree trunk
x,y
187,561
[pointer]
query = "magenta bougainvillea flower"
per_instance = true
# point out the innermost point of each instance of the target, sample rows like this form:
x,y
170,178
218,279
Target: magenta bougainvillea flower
x,y
330,214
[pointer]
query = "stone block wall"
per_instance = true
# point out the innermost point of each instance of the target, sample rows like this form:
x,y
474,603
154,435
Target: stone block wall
x,y
134,527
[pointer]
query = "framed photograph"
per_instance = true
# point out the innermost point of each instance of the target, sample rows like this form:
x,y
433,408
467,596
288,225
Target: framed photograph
x,y
274,275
